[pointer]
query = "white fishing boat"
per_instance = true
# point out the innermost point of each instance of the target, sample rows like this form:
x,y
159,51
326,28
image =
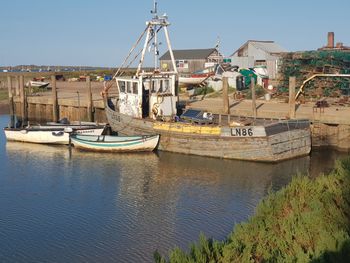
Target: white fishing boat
x,y
109,143
37,84
148,103
49,135
197,78
64,123
191,80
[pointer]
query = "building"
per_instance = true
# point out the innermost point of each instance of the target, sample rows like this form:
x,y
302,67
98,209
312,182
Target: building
x,y
256,53
330,44
191,60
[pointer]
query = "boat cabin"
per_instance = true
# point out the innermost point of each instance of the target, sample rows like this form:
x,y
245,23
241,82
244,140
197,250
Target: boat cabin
x,y
148,96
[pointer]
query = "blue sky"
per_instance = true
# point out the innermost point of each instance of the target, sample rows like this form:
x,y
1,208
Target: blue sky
x,y
101,32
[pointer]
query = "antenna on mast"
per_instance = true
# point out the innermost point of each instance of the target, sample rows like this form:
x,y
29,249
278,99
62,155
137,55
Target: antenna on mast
x,y
155,9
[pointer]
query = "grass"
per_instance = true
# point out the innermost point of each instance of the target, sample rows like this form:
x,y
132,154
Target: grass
x,y
218,94
307,221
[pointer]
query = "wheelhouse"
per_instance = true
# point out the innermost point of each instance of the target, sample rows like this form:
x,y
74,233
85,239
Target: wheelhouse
x,y
153,96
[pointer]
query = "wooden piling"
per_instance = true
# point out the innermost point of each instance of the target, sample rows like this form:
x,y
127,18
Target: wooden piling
x,y
22,96
17,86
54,99
292,113
252,86
225,95
11,102
90,112
9,86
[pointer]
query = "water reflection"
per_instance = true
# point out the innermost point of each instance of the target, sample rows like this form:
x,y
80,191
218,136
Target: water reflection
x,y
66,206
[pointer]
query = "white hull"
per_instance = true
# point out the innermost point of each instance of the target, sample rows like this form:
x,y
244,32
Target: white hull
x,y
191,81
115,143
45,136
38,84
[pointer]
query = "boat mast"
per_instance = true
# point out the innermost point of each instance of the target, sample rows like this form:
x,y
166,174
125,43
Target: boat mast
x,y
155,43
153,27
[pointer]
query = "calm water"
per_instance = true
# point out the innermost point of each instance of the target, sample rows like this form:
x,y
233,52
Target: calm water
x,y
57,206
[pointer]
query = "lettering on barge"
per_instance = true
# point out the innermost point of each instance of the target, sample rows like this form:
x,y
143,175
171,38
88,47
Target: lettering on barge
x,y
248,131
242,132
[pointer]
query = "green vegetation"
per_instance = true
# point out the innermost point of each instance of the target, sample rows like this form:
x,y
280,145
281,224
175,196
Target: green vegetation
x,y
217,94
203,91
307,221
259,91
303,65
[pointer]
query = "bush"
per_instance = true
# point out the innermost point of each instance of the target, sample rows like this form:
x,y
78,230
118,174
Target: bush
x,y
307,221
203,91
259,91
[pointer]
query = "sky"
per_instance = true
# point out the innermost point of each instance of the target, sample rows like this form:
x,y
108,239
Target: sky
x,y
101,32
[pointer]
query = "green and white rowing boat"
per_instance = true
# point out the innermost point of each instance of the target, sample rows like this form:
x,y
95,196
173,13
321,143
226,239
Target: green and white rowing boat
x,y
110,143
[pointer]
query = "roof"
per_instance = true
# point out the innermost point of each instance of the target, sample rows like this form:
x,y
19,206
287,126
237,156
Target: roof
x,y
267,46
189,54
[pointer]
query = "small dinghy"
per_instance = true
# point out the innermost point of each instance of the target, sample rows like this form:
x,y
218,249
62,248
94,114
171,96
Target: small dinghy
x,y
49,135
109,143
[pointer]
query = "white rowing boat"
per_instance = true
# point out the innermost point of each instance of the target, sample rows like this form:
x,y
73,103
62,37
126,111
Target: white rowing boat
x,y
109,143
49,135
37,84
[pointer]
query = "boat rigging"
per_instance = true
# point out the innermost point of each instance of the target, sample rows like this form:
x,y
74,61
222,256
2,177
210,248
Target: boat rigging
x,y
153,27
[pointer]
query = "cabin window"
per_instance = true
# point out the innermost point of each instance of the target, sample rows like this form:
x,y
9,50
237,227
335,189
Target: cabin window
x,y
128,87
166,86
134,88
154,86
121,85
160,86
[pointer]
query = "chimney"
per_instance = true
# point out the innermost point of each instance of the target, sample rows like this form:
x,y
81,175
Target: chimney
x,y
340,45
330,40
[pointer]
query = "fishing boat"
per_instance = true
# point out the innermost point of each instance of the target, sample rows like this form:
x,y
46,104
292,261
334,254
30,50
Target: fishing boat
x,y
49,134
192,80
148,104
110,143
196,78
37,84
65,123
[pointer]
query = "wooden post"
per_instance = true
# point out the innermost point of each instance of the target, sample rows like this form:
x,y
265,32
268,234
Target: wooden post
x,y
17,86
252,86
9,86
22,96
54,99
225,95
11,103
90,112
292,113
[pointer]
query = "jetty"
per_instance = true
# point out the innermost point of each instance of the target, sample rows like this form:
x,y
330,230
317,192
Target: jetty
x,y
81,100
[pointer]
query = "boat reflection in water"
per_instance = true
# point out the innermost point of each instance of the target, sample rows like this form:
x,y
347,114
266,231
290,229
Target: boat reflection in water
x,y
122,207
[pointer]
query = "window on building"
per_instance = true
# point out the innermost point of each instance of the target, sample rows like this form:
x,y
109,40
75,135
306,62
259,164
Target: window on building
x,y
183,64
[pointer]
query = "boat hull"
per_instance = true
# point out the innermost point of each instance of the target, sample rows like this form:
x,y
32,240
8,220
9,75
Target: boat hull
x,y
37,84
124,144
275,143
45,136
191,80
